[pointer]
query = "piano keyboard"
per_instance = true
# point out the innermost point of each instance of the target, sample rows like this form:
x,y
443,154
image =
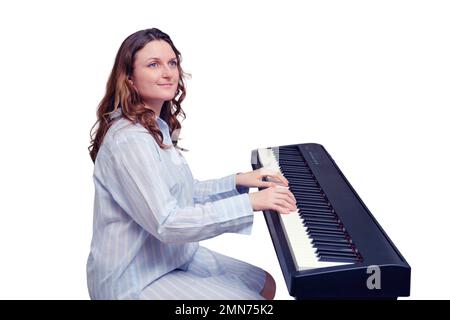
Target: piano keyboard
x,y
331,244
314,230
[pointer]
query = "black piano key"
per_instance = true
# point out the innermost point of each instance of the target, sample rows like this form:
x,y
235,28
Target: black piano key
x,y
297,175
331,242
319,253
304,183
306,192
326,231
310,197
338,259
340,255
315,211
314,218
315,234
342,252
322,202
323,224
295,188
329,223
307,209
332,245
301,182
308,206
321,249
307,215
287,170
294,158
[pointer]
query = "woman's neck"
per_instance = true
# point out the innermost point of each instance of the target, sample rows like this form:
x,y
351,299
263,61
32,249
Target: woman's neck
x,y
156,108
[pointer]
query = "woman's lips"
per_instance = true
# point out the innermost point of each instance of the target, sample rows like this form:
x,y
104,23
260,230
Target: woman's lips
x,y
165,85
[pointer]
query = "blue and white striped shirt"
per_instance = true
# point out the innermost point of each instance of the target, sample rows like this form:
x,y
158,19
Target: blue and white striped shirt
x,y
150,213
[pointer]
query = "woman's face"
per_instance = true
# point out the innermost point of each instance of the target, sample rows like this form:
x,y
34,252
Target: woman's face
x,y
155,74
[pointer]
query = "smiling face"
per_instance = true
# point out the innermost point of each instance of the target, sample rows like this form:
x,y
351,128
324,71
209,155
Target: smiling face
x,y
155,75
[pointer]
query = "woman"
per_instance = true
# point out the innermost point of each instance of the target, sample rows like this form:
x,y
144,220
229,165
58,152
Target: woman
x,y
149,212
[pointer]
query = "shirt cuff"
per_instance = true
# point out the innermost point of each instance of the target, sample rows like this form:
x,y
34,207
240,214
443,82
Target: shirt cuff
x,y
239,212
240,189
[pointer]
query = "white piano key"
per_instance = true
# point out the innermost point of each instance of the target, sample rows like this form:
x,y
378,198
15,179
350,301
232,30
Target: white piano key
x,y
299,242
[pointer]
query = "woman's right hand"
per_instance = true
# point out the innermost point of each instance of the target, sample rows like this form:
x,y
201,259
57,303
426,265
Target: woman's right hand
x,y
276,198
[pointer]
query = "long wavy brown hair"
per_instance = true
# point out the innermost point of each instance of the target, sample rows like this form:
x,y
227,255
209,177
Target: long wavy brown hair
x,y
120,93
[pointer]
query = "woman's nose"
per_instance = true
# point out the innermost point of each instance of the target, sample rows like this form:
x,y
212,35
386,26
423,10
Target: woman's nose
x,y
167,71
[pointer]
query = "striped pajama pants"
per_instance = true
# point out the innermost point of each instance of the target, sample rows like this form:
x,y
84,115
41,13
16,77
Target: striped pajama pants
x,y
209,276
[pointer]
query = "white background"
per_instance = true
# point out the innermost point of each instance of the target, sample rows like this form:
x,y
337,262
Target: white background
x,y
367,79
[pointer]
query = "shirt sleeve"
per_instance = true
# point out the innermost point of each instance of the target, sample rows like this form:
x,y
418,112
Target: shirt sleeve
x,y
137,184
215,189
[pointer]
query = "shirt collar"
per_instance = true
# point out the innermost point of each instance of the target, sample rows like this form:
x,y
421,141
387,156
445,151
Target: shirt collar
x,y
115,114
162,124
118,112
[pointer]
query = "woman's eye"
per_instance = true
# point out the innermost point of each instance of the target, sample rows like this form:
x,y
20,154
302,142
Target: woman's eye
x,y
152,64
174,63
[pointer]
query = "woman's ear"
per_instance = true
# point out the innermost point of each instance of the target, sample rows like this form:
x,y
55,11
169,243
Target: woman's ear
x,y
130,80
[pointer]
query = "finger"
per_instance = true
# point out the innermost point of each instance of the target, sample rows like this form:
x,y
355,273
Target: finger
x,y
281,210
273,174
278,178
285,190
288,199
266,184
285,204
289,194
282,179
262,172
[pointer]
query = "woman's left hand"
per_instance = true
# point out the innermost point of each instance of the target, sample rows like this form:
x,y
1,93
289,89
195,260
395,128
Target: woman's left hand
x,y
254,178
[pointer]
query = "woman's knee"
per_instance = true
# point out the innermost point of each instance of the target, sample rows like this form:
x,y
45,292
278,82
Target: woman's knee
x,y
269,289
